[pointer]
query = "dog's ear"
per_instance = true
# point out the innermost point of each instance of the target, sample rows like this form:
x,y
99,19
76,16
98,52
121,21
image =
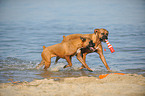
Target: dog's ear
x,y
96,31
83,39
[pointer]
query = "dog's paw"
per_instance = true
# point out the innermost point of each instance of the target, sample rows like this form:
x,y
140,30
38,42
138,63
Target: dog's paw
x,y
90,70
81,68
65,66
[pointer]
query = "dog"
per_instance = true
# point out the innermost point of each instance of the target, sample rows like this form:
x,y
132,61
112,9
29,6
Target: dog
x,y
97,37
65,50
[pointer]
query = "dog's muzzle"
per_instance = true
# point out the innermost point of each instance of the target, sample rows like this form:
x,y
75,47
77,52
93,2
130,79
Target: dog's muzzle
x,y
91,46
103,38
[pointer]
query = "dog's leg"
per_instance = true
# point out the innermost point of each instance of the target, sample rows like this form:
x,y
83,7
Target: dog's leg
x,y
47,62
103,59
57,58
41,64
68,59
84,58
79,57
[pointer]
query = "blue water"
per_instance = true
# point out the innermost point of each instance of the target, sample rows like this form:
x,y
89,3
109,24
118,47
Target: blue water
x,y
27,25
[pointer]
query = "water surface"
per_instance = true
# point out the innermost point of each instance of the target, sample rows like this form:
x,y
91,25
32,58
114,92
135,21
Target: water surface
x,y
27,25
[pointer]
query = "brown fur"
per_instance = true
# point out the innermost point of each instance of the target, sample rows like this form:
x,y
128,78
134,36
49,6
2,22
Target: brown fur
x,y
95,37
64,50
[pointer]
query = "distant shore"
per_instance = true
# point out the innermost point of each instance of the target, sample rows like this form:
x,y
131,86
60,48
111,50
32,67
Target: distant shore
x,y
112,85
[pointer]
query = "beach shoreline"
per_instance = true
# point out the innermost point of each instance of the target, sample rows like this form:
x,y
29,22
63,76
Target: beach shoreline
x,y
112,85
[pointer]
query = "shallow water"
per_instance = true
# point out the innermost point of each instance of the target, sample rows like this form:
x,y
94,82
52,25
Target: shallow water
x,y
27,25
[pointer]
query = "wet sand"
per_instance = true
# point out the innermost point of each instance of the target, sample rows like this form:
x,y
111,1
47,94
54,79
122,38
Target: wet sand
x,y
112,85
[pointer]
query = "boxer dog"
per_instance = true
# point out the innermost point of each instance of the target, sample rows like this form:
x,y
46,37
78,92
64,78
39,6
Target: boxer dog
x,y
97,37
65,50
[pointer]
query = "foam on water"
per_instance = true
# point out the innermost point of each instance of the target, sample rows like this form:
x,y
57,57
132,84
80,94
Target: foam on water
x,y
23,70
11,63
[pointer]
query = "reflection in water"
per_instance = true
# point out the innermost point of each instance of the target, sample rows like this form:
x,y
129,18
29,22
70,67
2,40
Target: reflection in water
x,y
69,73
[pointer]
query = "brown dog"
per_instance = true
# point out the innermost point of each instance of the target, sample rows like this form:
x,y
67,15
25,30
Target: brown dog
x,y
97,37
65,50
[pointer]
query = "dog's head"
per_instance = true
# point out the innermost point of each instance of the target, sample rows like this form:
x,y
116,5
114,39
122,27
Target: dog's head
x,y
102,34
87,43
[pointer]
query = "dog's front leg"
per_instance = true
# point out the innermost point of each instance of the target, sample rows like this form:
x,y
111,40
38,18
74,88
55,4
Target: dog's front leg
x,y
68,59
103,60
84,58
79,57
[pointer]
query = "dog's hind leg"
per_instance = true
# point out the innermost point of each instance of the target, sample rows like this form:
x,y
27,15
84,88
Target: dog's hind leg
x,y
42,61
47,62
46,56
57,58
68,59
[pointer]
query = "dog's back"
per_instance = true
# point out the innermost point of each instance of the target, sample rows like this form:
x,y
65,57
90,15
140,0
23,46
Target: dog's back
x,y
74,36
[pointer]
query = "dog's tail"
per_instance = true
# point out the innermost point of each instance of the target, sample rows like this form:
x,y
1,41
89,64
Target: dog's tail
x,y
63,36
44,47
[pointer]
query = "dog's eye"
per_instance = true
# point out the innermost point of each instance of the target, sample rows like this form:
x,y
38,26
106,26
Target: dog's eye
x,y
102,33
107,34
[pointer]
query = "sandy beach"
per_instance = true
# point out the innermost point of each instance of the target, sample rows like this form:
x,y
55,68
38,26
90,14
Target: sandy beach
x,y
112,85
